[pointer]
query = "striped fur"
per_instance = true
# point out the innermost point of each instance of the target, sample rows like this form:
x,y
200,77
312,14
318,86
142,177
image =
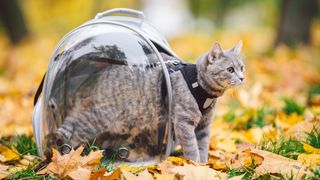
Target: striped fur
x,y
126,106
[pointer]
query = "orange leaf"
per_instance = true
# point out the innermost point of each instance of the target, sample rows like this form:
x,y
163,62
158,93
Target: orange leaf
x,y
113,176
99,174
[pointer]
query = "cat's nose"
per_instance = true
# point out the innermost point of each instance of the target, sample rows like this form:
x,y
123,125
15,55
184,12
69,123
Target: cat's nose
x,y
241,79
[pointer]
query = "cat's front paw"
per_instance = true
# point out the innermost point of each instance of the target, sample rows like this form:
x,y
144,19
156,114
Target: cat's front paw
x,y
204,158
194,156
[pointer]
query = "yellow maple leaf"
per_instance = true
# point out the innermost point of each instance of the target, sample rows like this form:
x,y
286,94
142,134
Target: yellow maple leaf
x,y
227,144
8,154
310,149
310,160
286,121
177,161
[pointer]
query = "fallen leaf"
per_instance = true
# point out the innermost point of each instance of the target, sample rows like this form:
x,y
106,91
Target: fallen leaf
x,y
80,174
177,161
217,164
92,160
145,175
63,165
165,176
3,171
99,174
115,175
274,163
72,164
165,171
284,121
191,172
3,167
227,144
8,154
310,160
299,130
310,149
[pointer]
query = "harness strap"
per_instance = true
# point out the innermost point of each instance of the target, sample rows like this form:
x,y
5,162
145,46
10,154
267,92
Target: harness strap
x,y
39,90
189,72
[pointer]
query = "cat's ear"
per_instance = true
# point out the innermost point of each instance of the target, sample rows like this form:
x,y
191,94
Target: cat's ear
x,y
215,52
237,47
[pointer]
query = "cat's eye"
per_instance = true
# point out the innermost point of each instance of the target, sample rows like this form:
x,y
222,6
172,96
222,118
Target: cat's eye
x,y
241,68
230,69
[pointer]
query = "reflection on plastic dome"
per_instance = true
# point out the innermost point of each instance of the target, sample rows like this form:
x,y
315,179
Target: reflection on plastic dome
x,y
98,85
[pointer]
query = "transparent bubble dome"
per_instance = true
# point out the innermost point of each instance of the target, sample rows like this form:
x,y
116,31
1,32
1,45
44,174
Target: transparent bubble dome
x,y
98,61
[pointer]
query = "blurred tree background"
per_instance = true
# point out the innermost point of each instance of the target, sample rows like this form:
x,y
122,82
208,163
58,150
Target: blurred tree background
x,y
29,31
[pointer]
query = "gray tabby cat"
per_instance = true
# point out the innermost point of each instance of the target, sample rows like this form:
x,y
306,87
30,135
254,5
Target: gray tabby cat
x,y
125,107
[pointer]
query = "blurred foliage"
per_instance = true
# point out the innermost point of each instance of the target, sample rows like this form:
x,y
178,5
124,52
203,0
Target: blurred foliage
x,y
217,10
292,107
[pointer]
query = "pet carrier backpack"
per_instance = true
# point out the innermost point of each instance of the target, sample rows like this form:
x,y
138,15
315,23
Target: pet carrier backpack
x,y
119,36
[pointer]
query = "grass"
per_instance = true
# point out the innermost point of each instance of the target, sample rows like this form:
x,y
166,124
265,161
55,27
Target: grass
x,y
286,147
247,172
313,92
25,145
252,118
315,174
258,119
90,146
292,106
29,174
313,138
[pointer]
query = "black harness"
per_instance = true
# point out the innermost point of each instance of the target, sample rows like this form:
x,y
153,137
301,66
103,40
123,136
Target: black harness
x,y
189,72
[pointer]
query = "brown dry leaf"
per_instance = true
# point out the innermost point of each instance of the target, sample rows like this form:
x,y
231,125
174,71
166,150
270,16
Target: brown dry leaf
x,y
92,160
274,163
166,173
80,174
299,130
3,171
245,159
191,172
165,176
63,165
145,175
8,154
217,164
310,160
72,164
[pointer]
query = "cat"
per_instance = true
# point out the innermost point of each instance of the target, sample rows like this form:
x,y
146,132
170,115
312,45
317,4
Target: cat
x,y
126,107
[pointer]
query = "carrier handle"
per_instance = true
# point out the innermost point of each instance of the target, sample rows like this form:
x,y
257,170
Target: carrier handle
x,y
124,11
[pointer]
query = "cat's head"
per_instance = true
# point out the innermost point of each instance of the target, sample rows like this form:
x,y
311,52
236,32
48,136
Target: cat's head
x,y
220,70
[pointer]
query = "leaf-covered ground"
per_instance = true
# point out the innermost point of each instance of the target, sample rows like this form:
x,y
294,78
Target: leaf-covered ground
x,y
267,129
